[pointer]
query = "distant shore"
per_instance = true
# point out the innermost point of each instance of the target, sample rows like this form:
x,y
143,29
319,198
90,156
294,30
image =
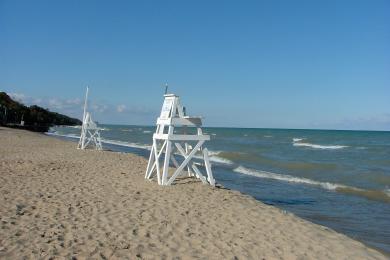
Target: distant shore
x,y
58,201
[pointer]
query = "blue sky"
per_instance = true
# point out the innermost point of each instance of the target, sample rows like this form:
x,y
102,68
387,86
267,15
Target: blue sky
x,y
283,64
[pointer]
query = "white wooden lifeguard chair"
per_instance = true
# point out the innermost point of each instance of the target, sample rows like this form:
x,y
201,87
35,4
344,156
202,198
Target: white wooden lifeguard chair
x,y
90,132
166,138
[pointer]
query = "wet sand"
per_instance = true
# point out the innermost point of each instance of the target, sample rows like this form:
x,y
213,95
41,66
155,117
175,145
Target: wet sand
x,y
62,203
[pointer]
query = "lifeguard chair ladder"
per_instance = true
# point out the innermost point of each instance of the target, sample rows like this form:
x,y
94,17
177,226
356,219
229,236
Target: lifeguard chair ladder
x,y
167,141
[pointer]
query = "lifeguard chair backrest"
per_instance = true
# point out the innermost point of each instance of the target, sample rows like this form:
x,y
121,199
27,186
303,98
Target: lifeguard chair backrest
x,y
171,107
167,107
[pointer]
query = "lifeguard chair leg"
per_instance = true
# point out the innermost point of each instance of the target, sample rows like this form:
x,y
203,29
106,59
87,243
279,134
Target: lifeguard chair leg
x,y
157,162
166,162
210,177
150,164
185,162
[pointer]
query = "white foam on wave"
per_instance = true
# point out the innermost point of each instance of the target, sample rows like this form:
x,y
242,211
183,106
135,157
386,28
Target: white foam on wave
x,y
378,195
317,146
212,153
75,126
146,131
127,144
107,141
287,178
214,159
63,135
213,156
221,160
297,142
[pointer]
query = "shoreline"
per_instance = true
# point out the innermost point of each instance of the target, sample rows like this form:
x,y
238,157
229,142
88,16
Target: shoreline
x,y
225,161
116,147
64,201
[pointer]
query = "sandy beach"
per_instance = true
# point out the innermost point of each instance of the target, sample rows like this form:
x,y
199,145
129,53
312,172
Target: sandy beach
x,y
58,202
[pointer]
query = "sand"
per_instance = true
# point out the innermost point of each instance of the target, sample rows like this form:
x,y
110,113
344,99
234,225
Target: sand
x,y
58,202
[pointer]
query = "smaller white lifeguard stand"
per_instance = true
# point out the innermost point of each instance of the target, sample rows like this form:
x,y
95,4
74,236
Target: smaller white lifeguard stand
x,y
90,132
186,145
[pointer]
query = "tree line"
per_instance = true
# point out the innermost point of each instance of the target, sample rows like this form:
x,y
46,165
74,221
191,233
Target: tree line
x,y
36,118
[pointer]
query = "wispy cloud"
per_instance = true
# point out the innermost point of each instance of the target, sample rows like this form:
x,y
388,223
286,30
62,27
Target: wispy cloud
x,y
98,107
51,103
120,108
74,107
75,101
56,104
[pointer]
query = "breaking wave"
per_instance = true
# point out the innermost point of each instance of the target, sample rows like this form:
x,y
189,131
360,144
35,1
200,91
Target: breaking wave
x,y
62,135
287,178
298,142
107,141
220,160
213,156
73,126
127,144
378,195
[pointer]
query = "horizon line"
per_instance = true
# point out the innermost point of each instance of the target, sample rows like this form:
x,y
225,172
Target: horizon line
x,y
272,128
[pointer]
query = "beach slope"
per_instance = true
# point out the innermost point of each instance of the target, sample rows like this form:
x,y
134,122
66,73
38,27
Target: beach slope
x,y
59,202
